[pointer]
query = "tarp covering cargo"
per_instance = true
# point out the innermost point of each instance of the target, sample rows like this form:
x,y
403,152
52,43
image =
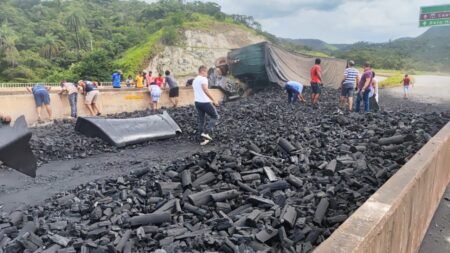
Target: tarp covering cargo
x,y
122,132
264,63
15,151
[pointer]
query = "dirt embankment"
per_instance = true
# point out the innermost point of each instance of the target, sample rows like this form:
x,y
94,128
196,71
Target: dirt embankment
x,y
202,47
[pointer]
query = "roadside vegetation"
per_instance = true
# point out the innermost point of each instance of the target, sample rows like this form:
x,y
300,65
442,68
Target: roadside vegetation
x,y
75,39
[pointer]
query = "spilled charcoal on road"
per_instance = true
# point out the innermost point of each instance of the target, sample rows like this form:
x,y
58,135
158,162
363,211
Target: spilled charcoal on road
x,y
280,177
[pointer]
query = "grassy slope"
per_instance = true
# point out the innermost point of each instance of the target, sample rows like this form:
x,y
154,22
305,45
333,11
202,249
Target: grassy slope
x,y
133,59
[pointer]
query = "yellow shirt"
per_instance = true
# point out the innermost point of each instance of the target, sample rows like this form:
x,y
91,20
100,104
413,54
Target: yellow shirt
x,y
139,81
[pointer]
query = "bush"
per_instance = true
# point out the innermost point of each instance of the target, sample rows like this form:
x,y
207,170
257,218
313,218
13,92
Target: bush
x,y
170,36
96,65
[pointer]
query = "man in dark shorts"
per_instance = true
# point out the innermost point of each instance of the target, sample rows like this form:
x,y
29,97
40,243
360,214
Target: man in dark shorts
x,y
351,78
41,98
173,88
316,82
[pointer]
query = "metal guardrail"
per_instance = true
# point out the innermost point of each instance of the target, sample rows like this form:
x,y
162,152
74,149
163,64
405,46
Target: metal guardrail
x,y
24,85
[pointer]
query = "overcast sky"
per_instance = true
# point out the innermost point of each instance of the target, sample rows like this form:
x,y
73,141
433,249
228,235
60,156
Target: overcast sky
x,y
334,21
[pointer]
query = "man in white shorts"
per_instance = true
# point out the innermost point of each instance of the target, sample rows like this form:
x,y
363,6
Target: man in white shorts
x,y
155,94
205,105
91,96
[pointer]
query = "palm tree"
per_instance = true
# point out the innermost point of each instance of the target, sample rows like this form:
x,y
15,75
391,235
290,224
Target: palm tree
x,y
8,45
74,21
51,47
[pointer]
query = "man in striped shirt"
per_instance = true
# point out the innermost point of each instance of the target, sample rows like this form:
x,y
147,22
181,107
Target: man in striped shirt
x,y
351,78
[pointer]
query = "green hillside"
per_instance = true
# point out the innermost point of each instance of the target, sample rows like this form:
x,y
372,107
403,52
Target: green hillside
x,y
314,44
429,52
71,39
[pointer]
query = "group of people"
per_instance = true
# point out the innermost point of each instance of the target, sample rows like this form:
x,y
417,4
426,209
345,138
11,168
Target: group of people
x,y
88,88
155,85
365,87
91,92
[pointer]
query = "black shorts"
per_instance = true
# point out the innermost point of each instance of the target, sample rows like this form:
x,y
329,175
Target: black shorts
x,y
316,88
347,92
174,92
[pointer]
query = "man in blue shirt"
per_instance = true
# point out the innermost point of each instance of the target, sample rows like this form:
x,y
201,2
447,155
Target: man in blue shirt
x,y
41,98
116,76
294,90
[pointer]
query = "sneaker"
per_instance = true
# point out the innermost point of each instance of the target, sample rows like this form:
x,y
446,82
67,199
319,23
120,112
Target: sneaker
x,y
206,136
205,142
340,112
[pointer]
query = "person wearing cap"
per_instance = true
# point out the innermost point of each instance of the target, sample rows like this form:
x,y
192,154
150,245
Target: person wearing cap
x,y
295,92
348,84
91,93
116,79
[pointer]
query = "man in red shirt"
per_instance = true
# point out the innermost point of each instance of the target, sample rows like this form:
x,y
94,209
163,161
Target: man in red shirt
x,y
406,83
316,82
159,80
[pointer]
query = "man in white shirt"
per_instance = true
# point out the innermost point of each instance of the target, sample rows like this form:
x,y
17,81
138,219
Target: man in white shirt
x,y
204,104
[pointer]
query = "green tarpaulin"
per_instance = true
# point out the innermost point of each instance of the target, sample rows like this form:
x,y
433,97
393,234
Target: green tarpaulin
x,y
263,63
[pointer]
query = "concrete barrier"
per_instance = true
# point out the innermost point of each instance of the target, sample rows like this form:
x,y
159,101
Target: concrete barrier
x,y
15,102
396,217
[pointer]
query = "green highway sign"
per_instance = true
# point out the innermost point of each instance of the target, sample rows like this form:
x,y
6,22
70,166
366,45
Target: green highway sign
x,y
433,22
434,15
437,8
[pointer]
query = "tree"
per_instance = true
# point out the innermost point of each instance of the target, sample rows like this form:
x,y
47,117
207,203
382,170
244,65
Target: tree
x,y
8,45
96,65
51,47
74,21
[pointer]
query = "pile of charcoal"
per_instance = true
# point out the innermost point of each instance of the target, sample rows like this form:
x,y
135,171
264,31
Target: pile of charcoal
x,y
283,178
60,142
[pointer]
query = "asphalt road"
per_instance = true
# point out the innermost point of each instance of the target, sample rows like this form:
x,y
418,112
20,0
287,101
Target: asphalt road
x,y
427,89
432,90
